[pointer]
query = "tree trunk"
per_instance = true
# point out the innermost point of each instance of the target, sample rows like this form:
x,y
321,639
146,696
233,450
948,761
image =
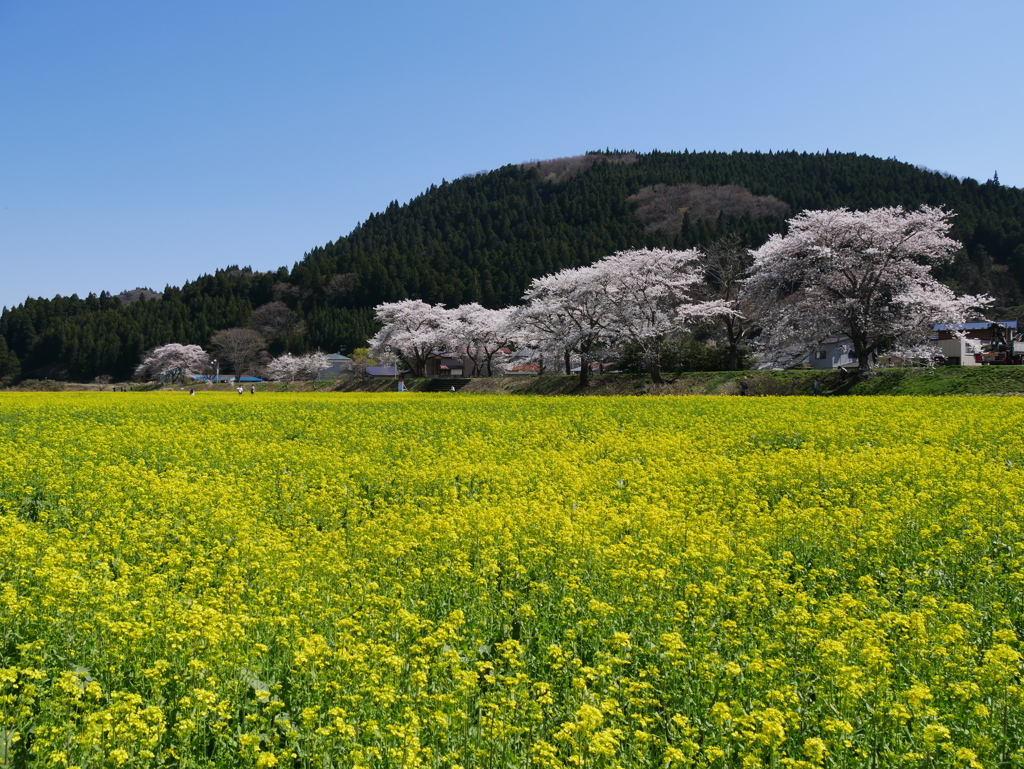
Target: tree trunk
x,y
654,369
490,362
863,353
734,357
568,363
585,364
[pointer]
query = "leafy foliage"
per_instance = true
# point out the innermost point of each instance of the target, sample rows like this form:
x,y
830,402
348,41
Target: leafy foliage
x,y
679,354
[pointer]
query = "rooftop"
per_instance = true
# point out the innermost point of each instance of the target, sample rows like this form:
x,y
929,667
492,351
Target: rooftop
x,y
976,325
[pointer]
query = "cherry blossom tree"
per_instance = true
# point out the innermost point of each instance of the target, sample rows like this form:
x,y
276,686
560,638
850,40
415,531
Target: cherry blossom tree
x,y
173,361
566,311
539,336
725,263
412,329
861,275
284,367
482,333
312,363
649,294
636,296
292,367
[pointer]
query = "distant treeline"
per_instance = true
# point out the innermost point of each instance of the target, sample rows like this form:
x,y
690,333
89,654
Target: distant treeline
x,y
484,237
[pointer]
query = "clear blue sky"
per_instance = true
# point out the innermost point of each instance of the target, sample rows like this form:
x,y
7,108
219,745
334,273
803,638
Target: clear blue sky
x,y
146,143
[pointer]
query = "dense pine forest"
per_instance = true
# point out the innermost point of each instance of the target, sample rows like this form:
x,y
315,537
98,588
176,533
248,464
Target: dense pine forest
x,y
484,237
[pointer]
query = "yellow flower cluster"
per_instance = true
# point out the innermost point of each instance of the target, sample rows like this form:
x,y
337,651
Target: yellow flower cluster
x,y
399,581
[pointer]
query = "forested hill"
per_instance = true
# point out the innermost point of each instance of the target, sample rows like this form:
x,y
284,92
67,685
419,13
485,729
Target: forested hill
x,y
482,238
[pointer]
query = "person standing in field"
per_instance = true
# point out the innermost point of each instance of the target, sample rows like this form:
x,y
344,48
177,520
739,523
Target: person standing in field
x,y
240,390
252,389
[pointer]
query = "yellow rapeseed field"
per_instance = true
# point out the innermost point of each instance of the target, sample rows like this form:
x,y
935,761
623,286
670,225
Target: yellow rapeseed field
x,y
457,581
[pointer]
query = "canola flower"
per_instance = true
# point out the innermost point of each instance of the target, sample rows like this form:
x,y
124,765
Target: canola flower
x,y
402,581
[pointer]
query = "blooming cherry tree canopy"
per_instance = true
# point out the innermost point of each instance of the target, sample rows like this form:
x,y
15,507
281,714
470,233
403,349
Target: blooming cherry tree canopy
x,y
293,367
412,329
312,363
651,293
481,332
174,361
564,313
638,296
862,275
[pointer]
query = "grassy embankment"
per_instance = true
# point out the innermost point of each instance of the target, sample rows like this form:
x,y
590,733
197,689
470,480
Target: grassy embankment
x,y
987,380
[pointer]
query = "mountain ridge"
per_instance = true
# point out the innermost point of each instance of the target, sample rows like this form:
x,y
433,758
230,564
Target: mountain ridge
x,y
484,236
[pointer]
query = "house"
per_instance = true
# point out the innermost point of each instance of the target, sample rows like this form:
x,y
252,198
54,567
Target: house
x,y
979,343
445,364
985,330
522,368
957,351
338,366
833,353
449,364
381,372
522,363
